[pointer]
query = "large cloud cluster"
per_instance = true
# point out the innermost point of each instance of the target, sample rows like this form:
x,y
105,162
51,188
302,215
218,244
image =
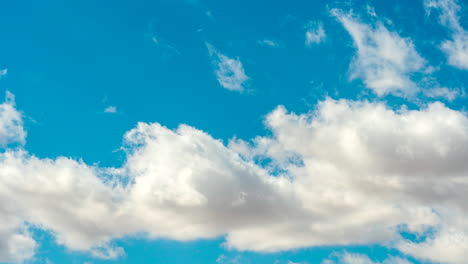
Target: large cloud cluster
x,y
345,173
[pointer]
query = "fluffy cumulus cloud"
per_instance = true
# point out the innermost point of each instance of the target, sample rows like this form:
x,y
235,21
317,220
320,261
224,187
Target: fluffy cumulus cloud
x,y
384,60
456,48
61,195
370,171
345,173
229,71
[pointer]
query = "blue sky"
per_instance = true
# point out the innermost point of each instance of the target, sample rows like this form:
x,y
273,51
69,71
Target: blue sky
x,y
200,131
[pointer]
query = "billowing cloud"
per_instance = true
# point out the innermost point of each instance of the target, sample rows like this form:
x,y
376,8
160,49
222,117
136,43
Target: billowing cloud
x,y
456,49
384,60
346,173
229,71
367,169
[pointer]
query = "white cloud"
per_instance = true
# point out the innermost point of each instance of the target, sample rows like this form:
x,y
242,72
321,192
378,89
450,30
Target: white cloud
x,y
365,169
210,15
166,48
354,258
442,92
384,61
229,71
346,173
108,252
269,43
110,109
450,246
11,123
314,33
455,49
222,259
15,245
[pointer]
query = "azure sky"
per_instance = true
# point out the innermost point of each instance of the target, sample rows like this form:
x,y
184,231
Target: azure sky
x,y
233,132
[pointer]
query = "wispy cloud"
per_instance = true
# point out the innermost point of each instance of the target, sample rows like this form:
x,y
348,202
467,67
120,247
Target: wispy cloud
x,y
210,15
355,258
384,60
455,49
315,33
269,43
166,48
229,71
443,92
108,252
3,72
11,123
222,259
111,109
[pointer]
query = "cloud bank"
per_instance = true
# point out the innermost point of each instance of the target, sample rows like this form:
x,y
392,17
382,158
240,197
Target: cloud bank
x,y
346,173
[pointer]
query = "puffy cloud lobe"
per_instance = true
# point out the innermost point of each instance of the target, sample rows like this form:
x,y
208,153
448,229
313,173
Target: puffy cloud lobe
x,y
61,195
194,180
16,244
229,71
455,49
366,168
384,61
346,173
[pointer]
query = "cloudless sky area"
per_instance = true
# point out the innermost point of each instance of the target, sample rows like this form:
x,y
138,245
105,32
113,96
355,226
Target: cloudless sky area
x,y
84,72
